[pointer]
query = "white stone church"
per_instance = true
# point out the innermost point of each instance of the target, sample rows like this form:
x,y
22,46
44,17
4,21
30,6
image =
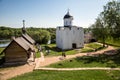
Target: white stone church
x,y
69,36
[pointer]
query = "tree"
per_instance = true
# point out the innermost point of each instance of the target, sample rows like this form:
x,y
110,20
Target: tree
x,y
52,34
45,36
111,18
99,30
40,36
108,22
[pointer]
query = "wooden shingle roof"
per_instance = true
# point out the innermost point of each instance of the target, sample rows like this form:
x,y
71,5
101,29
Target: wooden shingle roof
x,y
28,38
23,43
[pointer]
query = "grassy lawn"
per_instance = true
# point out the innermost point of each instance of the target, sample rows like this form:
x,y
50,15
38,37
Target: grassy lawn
x,y
91,47
84,50
70,75
94,45
112,42
54,51
90,61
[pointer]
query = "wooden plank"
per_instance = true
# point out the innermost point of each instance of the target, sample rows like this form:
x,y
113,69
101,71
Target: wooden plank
x,y
15,59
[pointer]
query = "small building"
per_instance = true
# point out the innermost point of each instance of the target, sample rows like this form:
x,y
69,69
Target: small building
x,y
19,51
69,36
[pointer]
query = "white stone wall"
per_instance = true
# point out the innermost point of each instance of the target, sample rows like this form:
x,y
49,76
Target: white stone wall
x,y
59,40
66,36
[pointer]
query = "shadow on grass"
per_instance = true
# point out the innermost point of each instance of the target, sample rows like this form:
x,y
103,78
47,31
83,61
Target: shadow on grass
x,y
54,48
110,60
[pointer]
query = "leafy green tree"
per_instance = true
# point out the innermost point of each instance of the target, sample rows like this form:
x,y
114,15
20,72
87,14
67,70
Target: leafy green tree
x,y
111,18
41,36
108,22
46,36
99,31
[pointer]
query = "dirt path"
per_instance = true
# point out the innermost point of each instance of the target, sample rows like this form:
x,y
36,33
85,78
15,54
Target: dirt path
x,y
50,60
12,72
74,69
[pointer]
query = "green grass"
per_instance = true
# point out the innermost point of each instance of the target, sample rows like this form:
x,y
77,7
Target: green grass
x,y
54,51
70,75
115,43
94,45
91,47
112,42
37,54
86,50
90,61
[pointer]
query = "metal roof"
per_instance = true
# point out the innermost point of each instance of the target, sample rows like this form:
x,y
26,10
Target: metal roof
x,y
68,15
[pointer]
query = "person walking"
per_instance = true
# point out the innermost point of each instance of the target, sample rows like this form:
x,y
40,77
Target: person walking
x,y
63,54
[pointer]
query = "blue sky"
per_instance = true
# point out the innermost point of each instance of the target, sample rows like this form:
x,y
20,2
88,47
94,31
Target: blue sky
x,y
49,13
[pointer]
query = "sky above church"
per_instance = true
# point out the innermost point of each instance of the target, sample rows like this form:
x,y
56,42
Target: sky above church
x,y
49,13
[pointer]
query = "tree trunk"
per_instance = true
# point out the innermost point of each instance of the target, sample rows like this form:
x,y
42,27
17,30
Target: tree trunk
x,y
103,41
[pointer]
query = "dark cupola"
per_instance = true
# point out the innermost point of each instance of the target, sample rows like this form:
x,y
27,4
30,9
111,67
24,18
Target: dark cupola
x,y
68,20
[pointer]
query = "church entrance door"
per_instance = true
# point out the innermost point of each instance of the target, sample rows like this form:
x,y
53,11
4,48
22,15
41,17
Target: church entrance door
x,y
74,45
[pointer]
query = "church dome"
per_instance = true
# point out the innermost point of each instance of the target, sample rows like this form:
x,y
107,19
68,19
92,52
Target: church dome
x,y
68,15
